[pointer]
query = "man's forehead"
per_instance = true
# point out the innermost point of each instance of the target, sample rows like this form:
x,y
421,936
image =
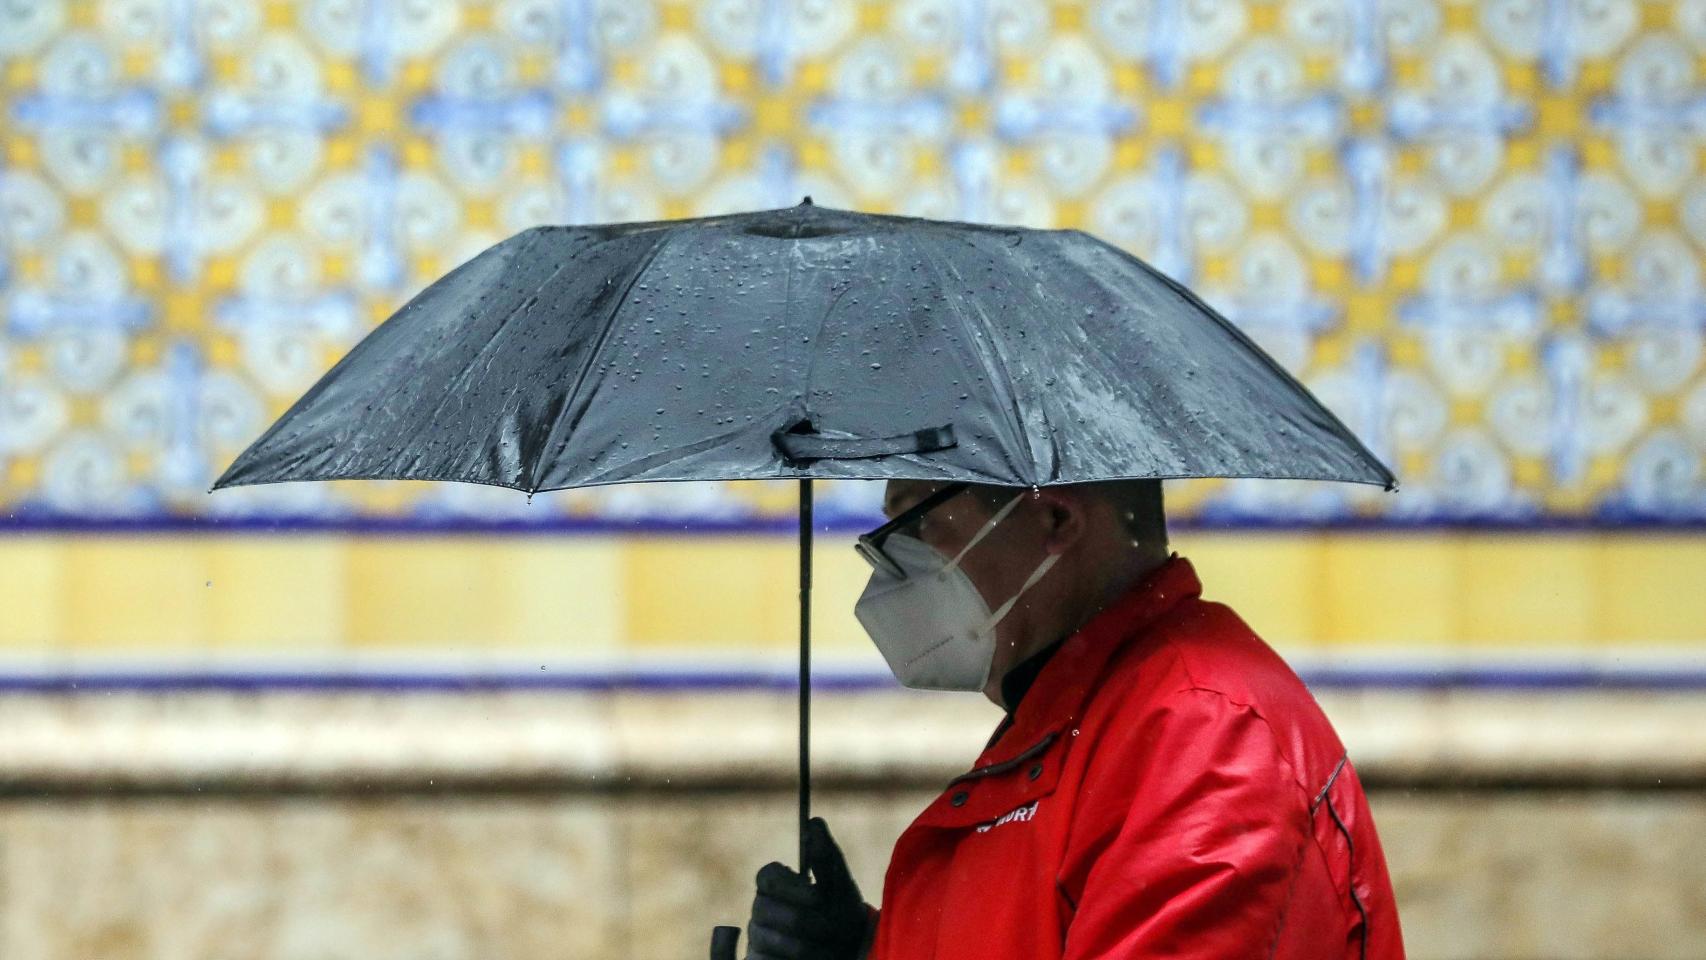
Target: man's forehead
x,y
900,494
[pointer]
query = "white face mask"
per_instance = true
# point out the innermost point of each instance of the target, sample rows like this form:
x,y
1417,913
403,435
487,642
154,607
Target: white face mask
x,y
933,626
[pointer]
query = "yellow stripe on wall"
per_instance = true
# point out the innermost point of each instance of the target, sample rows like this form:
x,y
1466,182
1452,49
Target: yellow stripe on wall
x,y
1506,590
319,595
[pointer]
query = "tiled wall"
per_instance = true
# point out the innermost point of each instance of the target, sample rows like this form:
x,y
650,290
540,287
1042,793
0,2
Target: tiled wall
x,y
1474,228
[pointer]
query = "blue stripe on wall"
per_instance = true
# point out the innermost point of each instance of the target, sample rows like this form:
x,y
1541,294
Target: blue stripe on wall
x,y
560,526
1539,678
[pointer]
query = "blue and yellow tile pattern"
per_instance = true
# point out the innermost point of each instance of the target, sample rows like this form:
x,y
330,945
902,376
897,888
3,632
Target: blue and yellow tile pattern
x,y
1475,228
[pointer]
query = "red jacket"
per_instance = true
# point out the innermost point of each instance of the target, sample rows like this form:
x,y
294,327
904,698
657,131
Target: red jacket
x,y
1167,788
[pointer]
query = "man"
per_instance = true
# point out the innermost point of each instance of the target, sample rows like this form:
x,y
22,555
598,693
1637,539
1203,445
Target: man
x,y
1161,786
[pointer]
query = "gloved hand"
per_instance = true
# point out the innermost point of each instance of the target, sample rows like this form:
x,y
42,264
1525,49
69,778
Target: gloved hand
x,y
798,919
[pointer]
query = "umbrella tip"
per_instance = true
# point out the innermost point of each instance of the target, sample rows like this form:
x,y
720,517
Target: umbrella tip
x,y
807,201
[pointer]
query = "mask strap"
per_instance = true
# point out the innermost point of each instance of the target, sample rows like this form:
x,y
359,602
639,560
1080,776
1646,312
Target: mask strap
x,y
1000,515
1030,582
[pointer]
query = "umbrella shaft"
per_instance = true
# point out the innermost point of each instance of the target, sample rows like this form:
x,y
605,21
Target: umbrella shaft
x,y
805,662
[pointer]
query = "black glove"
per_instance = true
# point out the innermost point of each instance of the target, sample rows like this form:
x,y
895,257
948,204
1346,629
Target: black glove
x,y
797,919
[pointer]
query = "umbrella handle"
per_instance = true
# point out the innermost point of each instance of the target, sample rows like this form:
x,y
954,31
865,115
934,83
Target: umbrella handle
x,y
723,942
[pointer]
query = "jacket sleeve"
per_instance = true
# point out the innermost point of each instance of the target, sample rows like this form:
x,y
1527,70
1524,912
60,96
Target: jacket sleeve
x,y
1189,830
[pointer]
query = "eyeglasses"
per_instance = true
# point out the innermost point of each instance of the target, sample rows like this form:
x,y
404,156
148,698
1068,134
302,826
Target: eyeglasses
x,y
870,545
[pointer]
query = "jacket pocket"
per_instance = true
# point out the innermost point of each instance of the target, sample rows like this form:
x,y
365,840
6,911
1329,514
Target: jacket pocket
x,y
986,794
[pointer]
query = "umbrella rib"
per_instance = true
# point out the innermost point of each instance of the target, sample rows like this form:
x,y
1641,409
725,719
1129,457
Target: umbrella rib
x,y
999,363
455,390
558,421
1388,479
811,362
263,443
629,470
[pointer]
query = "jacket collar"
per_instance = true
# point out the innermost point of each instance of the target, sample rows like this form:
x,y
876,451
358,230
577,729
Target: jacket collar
x,y
1019,679
1058,694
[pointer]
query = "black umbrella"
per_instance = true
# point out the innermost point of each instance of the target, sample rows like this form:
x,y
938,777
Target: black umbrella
x,y
804,342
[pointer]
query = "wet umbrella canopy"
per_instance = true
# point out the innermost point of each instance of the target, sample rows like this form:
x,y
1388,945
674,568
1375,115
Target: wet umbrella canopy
x,y
804,343
879,346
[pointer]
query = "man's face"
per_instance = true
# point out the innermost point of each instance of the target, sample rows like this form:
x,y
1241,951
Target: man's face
x,y
1001,561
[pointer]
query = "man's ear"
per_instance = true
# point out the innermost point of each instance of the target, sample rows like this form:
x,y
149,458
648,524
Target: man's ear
x,y
1064,516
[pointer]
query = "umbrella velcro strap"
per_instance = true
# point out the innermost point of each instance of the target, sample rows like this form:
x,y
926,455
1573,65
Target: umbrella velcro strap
x,y
820,446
